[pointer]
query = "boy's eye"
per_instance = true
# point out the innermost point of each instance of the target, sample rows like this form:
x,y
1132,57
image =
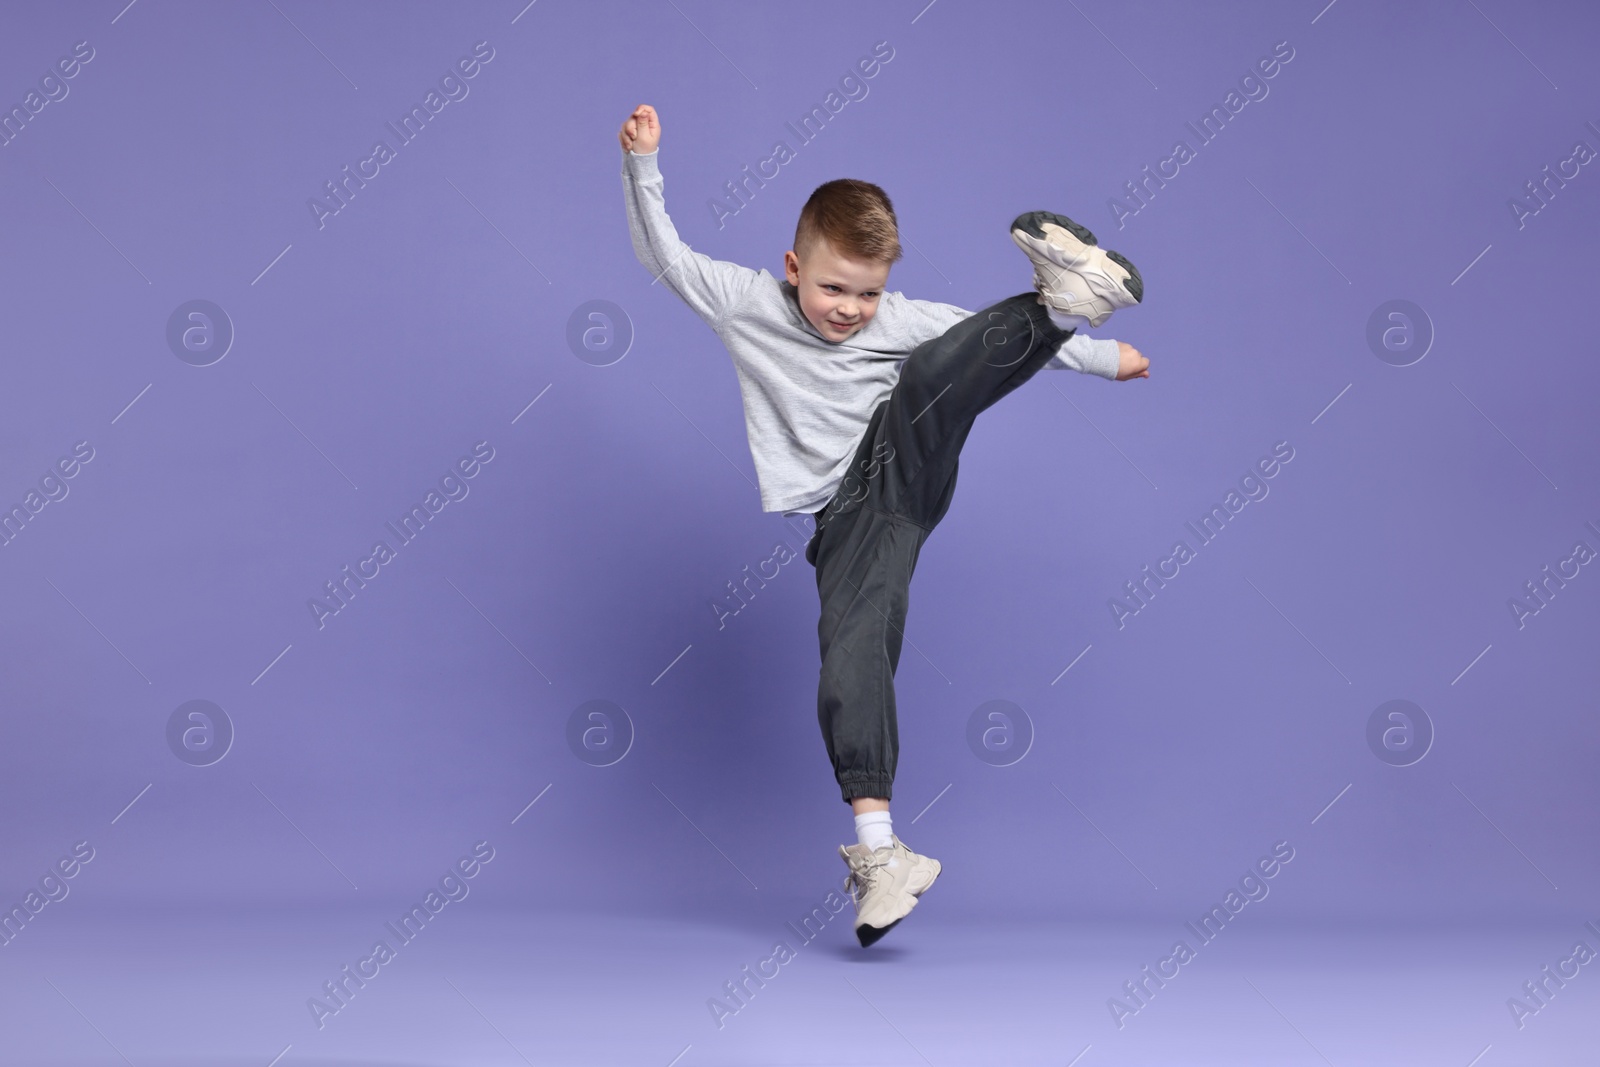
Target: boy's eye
x,y
831,288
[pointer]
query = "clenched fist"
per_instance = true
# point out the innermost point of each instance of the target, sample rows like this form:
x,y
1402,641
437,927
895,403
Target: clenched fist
x,y
642,132
1130,364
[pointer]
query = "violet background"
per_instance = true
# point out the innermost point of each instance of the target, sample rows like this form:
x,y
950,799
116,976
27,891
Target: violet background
x,y
433,310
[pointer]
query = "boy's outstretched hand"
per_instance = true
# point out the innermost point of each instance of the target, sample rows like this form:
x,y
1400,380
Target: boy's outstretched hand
x,y
642,132
1130,364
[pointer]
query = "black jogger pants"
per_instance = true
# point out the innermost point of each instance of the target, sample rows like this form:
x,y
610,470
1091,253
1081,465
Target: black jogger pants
x,y
896,490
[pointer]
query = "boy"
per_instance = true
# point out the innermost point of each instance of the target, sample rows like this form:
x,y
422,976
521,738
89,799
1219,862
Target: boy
x,y
857,402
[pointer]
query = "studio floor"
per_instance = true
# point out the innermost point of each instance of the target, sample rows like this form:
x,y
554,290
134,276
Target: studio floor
x,y
162,988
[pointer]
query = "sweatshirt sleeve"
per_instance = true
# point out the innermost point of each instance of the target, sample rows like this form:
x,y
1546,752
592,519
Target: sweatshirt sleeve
x,y
1088,355
709,286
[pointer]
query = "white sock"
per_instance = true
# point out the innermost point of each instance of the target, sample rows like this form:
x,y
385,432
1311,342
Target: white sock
x,y
874,829
1066,321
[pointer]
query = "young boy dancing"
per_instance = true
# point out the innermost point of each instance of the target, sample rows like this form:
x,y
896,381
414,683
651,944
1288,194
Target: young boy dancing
x,y
857,402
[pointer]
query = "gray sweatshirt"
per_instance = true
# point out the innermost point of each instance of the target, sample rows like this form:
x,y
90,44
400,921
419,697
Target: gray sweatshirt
x,y
807,400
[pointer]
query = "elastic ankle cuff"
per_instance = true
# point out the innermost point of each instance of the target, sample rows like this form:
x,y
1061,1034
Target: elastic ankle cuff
x,y
1039,313
866,787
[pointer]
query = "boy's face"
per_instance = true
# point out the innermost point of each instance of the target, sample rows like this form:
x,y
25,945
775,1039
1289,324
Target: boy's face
x,y
838,294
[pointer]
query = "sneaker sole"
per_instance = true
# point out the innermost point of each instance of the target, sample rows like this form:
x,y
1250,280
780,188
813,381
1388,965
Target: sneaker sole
x,y
869,935
1032,223
866,933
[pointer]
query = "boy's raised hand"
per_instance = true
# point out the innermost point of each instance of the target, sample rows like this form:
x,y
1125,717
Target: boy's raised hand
x,y
642,132
1130,364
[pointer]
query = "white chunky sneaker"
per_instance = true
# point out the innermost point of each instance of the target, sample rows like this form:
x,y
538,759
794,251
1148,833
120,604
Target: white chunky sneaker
x,y
1073,274
885,885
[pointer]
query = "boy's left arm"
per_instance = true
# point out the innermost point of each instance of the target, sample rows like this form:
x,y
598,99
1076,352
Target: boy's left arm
x,y
1116,360
923,320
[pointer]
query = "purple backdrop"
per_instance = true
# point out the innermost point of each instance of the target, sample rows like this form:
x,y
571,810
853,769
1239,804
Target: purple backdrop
x,y
1379,264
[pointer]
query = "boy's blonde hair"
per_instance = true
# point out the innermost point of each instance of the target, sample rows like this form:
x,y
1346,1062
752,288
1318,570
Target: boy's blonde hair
x,y
855,217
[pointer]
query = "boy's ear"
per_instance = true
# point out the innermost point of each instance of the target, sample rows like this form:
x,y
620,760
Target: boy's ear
x,y
791,267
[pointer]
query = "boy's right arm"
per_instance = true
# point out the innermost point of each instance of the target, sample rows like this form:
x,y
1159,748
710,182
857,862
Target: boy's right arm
x,y
709,286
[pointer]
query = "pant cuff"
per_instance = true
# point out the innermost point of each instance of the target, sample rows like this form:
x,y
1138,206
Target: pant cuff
x,y
1040,315
867,787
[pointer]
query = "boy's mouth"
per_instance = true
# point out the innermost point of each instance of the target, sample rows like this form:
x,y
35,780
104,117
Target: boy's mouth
x,y
841,325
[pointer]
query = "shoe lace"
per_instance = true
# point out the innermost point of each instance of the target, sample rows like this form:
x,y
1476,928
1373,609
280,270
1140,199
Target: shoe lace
x,y
862,877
